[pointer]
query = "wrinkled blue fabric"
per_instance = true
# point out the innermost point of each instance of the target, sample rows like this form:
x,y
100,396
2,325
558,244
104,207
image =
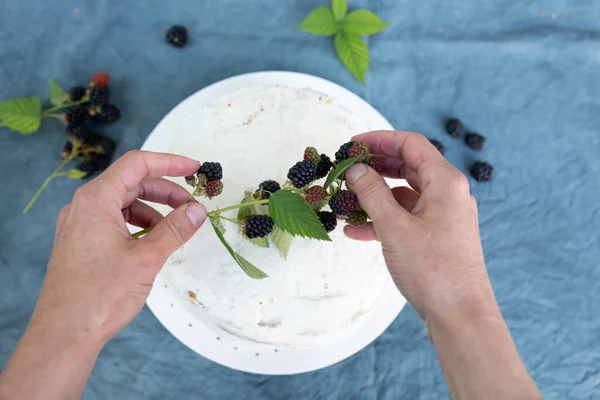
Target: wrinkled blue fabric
x,y
526,74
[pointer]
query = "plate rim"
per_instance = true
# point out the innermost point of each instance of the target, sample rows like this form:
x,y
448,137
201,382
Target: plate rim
x,y
249,357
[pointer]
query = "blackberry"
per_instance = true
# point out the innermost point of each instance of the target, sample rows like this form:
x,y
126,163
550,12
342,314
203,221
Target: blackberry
x,y
214,188
257,226
100,79
212,171
97,163
177,35
342,153
303,173
75,116
359,149
315,194
481,171
77,93
328,220
99,96
66,151
474,141
438,145
107,114
375,164
103,144
268,188
454,127
343,202
310,153
323,166
357,218
78,133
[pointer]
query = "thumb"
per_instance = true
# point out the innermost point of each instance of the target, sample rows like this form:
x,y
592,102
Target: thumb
x,y
174,230
374,195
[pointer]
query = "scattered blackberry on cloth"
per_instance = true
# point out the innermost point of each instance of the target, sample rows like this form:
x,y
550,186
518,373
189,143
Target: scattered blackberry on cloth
x,y
268,188
177,35
481,171
438,145
343,202
107,114
323,166
343,152
77,93
454,128
212,170
99,96
474,141
303,173
257,226
328,220
75,116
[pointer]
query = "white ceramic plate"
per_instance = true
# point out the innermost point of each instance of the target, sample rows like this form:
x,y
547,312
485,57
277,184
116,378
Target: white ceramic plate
x,y
169,306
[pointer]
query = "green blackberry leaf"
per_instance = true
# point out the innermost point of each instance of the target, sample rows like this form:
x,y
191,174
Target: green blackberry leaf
x,y
76,174
363,22
282,240
354,54
22,114
339,8
218,224
246,266
320,22
260,242
339,169
291,214
57,94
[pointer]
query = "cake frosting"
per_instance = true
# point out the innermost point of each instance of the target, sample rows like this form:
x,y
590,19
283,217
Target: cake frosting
x,y
322,290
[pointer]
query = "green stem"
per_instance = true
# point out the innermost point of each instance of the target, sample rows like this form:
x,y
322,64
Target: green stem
x,y
46,113
49,179
233,221
142,232
250,203
57,116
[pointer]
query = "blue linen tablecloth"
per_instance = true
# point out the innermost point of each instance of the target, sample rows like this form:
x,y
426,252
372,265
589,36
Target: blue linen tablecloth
x,y
526,74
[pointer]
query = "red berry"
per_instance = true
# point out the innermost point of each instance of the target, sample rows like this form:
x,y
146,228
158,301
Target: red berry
x,y
101,79
315,194
214,188
375,164
359,149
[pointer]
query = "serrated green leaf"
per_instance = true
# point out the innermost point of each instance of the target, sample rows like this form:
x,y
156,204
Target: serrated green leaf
x,y
363,22
260,242
282,240
339,170
339,8
354,54
291,214
76,174
320,22
22,114
57,93
246,266
218,224
246,211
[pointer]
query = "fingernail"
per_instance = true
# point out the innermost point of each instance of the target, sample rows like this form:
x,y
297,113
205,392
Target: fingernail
x,y
196,213
355,172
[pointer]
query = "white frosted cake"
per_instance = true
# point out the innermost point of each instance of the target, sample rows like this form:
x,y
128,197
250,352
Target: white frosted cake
x,y
322,290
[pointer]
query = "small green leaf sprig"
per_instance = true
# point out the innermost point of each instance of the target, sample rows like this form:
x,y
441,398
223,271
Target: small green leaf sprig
x,y
348,30
25,114
292,209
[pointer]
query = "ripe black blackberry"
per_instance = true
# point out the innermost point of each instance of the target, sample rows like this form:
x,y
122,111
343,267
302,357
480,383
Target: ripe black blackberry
x,y
324,166
177,35
303,173
107,114
97,163
66,151
454,127
481,171
77,93
343,202
75,116
268,188
257,226
438,145
474,141
78,133
328,220
212,170
104,145
342,153
99,96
